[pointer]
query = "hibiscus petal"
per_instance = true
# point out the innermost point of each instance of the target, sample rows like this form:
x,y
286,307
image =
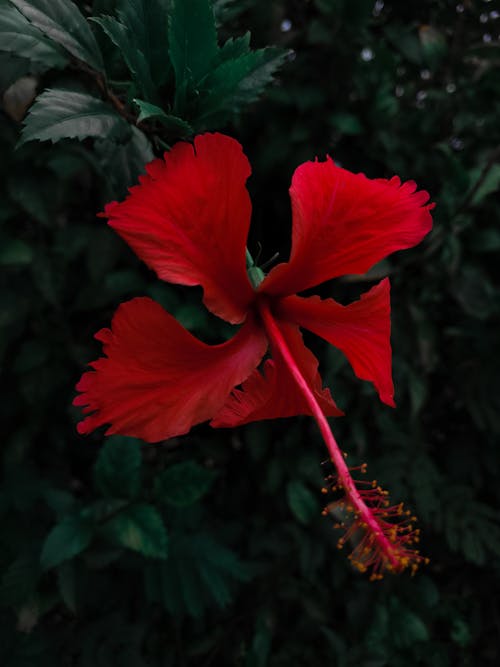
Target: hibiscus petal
x,y
344,223
157,380
362,330
273,392
189,218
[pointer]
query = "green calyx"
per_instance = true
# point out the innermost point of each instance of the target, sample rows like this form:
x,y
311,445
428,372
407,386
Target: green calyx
x,y
255,274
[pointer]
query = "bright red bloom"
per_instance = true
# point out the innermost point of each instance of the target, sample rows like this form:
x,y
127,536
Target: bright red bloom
x,y
188,220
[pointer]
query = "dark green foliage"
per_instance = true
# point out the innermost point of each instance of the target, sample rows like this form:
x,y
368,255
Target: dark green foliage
x,y
62,23
183,484
173,124
237,81
60,114
147,22
22,38
193,42
140,528
170,51
210,549
140,35
212,82
118,468
198,574
303,503
66,540
122,37
20,578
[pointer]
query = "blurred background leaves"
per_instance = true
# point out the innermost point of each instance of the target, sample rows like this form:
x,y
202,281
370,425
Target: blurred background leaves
x,y
210,549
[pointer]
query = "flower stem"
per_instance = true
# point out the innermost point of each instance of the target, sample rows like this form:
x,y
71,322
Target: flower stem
x,y
365,515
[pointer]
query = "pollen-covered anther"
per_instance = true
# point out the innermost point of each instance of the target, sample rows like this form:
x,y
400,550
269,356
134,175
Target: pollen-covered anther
x,y
382,536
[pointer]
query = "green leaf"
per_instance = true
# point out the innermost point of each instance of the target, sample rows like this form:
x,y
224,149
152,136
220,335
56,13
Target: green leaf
x,y
19,36
121,283
490,184
460,632
238,82
406,41
63,23
66,540
66,583
417,388
469,525
301,501
140,528
199,572
475,293
217,566
100,264
20,579
12,68
117,472
226,11
346,123
407,627
193,40
35,193
486,240
174,124
60,502
234,48
121,164
60,114
147,21
258,655
15,252
134,58
183,484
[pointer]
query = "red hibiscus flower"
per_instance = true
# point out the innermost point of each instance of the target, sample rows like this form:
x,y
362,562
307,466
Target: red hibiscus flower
x,y
188,220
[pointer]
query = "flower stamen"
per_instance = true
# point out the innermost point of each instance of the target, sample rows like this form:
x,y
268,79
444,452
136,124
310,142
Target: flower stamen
x,y
384,543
